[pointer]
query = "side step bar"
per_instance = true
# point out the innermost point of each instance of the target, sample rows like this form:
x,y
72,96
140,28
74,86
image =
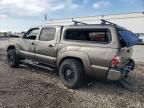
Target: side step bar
x,y
37,64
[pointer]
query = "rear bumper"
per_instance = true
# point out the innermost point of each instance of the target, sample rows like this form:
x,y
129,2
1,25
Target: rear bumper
x,y
117,74
113,74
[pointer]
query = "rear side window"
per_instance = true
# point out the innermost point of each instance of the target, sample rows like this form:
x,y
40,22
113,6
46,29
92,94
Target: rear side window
x,y
47,34
94,35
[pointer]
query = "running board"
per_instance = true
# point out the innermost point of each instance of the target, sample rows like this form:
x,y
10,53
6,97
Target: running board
x,y
37,64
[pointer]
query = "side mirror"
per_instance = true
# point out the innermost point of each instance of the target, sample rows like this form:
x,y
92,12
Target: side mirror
x,y
23,34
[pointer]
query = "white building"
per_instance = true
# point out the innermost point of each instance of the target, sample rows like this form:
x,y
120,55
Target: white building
x,y
133,21
2,31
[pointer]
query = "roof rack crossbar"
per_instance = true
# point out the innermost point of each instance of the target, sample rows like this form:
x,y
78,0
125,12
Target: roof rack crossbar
x,y
78,22
105,21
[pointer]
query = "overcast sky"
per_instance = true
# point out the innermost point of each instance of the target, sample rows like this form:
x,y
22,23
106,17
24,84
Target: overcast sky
x,y
19,15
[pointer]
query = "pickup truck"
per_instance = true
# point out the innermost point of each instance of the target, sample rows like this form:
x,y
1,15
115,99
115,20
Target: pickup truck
x,y
102,51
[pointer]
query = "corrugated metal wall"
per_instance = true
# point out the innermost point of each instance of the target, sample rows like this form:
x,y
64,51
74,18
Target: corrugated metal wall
x,y
131,21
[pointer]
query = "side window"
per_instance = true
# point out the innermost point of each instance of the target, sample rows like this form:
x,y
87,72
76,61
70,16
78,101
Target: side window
x,y
32,34
47,34
96,35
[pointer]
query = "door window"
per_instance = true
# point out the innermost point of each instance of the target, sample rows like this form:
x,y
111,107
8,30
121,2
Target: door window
x,y
47,34
32,34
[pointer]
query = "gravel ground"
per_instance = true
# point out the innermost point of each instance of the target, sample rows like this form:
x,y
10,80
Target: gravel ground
x,y
31,87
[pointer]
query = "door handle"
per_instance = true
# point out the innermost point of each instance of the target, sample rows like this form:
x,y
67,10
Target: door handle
x,y
32,43
50,45
128,50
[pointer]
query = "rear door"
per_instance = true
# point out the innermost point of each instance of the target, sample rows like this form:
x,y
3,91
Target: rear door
x,y
46,46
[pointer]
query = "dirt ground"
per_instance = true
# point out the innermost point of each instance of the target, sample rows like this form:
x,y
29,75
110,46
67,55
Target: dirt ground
x,y
30,87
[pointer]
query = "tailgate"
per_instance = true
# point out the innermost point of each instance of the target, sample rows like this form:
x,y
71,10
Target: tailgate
x,y
127,41
125,54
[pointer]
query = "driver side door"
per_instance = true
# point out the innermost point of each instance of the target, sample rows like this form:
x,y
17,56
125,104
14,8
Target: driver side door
x,y
27,45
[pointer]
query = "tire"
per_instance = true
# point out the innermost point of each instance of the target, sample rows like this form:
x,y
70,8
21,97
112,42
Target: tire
x,y
71,73
12,58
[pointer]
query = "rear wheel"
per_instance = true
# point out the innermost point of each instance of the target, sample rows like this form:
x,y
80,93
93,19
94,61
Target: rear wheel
x,y
13,59
71,73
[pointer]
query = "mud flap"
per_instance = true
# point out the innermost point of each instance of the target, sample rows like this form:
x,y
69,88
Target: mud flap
x,y
130,87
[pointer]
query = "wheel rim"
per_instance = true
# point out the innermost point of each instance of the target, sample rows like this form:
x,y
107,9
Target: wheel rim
x,y
10,59
68,73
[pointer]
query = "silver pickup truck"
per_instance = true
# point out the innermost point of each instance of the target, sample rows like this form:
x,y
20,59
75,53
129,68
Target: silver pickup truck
x,y
102,51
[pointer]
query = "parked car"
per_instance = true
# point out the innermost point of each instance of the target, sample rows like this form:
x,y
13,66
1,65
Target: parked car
x,y
3,35
141,36
102,51
13,36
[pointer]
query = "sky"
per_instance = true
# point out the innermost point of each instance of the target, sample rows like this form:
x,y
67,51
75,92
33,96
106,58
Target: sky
x,y
20,15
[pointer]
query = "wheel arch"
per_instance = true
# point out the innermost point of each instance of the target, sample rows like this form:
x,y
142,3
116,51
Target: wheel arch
x,y
82,57
70,57
11,47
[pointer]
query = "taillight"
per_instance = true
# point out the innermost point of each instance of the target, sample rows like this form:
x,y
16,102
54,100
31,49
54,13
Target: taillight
x,y
115,61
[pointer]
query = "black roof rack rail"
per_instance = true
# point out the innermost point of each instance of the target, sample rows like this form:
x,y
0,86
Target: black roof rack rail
x,y
78,22
105,21
117,26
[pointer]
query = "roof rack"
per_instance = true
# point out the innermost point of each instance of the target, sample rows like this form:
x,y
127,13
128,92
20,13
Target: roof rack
x,y
78,22
105,21
102,22
117,26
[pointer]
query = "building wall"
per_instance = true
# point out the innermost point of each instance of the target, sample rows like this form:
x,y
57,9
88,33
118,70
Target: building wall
x,y
131,21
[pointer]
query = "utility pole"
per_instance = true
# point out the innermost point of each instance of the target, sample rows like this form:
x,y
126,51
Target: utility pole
x,y
45,17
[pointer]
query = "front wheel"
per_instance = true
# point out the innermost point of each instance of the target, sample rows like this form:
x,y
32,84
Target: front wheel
x,y
71,73
13,59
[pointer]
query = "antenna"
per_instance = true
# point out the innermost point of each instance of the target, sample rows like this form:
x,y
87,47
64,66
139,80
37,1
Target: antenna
x,y
45,17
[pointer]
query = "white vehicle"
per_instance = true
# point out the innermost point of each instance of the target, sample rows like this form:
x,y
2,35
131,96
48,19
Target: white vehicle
x,y
141,36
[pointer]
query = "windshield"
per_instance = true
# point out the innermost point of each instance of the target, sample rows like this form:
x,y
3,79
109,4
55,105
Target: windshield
x,y
127,38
